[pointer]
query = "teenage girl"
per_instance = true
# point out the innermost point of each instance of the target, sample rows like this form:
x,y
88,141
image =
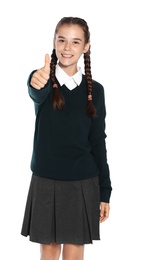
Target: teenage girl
x,y
70,187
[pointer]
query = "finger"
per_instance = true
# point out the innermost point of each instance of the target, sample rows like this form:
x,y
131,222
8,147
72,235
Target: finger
x,y
103,217
41,76
104,214
35,86
44,73
47,62
36,83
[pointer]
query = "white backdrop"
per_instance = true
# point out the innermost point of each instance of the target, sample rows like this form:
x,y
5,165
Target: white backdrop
x,y
26,30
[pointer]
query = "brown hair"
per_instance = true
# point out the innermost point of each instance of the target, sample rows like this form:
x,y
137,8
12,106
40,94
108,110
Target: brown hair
x,y
58,99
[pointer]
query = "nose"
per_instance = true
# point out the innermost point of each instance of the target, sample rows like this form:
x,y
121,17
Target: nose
x,y
67,46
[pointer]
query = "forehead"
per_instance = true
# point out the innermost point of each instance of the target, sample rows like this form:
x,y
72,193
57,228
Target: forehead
x,y
71,31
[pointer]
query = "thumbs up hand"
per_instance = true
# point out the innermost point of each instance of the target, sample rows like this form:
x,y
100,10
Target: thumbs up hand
x,y
41,76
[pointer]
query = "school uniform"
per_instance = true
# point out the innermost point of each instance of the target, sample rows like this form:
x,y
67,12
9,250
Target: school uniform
x,y
70,173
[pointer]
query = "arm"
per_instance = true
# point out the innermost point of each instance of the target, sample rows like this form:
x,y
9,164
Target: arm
x,y
97,140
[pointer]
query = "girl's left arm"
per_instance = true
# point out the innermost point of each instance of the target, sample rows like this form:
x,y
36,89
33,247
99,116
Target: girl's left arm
x,y
97,139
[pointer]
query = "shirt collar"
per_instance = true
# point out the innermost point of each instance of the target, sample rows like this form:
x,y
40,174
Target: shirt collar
x,y
62,77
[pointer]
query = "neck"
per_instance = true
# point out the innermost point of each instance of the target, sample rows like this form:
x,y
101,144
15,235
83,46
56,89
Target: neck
x,y
69,70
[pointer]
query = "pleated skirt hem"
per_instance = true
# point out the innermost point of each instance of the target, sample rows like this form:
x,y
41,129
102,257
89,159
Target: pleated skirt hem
x,y
63,212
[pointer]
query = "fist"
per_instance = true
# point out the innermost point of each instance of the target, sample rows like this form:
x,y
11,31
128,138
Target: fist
x,y
41,76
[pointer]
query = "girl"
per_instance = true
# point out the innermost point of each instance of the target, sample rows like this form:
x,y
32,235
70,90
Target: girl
x,y
70,187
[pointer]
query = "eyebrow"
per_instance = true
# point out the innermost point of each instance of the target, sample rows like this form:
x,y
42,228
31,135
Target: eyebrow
x,y
62,37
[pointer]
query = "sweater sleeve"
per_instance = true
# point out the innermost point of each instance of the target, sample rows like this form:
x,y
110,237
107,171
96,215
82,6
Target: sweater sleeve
x,y
38,96
98,144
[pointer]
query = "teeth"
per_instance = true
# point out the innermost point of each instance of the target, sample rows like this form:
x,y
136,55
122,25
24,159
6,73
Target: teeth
x,y
67,55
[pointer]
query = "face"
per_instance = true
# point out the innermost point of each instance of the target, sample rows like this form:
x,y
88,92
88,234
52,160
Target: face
x,y
70,44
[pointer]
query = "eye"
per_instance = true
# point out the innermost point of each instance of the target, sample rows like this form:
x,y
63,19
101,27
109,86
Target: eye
x,y
61,40
76,42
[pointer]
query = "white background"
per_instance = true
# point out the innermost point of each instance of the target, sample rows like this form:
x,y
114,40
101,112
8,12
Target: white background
x,y
26,33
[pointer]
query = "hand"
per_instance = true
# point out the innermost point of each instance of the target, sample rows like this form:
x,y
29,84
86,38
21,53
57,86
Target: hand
x,y
104,211
41,76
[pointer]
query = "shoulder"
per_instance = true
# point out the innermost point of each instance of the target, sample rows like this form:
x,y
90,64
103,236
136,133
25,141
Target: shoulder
x,y
97,87
97,92
99,98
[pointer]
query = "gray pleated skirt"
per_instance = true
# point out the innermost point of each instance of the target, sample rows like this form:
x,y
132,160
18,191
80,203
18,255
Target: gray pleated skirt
x,y
63,212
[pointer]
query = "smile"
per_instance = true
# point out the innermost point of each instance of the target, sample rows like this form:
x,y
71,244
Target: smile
x,y
67,55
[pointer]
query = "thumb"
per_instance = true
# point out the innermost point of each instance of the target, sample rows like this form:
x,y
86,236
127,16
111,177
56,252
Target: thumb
x,y
47,62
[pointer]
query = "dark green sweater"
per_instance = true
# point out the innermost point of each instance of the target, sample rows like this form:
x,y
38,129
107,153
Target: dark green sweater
x,y
68,144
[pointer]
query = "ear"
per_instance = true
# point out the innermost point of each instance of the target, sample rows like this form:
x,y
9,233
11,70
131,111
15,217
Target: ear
x,y
86,47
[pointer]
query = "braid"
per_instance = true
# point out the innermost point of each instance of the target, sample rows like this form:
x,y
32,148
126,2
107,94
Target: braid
x,y
58,100
91,111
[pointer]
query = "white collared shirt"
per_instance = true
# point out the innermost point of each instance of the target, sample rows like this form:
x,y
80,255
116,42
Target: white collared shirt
x,y
65,79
